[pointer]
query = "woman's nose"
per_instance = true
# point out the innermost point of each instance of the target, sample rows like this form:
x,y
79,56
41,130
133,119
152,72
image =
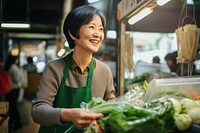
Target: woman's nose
x,y
96,34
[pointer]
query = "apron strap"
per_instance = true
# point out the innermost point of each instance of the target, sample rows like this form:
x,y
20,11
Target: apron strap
x,y
90,74
67,68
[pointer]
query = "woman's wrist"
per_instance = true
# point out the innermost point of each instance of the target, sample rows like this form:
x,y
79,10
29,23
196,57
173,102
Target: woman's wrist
x,y
64,113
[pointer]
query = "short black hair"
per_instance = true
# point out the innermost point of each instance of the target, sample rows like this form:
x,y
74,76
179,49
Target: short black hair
x,y
156,59
30,59
172,56
78,17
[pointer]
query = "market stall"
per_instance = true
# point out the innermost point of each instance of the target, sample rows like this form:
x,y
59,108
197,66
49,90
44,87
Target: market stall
x,y
182,92
166,106
126,9
184,26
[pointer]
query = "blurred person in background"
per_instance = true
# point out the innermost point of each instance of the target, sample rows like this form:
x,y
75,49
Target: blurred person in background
x,y
171,61
174,66
75,78
11,67
5,83
30,67
156,59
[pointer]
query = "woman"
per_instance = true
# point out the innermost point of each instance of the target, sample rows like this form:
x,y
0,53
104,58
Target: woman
x,y
75,78
15,75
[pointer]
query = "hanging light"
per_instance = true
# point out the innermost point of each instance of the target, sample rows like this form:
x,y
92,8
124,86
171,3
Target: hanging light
x,y
15,25
61,52
111,34
92,1
162,2
190,2
140,15
66,44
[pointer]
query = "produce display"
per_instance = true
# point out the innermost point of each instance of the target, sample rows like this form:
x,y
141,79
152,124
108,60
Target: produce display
x,y
171,112
148,76
187,112
156,116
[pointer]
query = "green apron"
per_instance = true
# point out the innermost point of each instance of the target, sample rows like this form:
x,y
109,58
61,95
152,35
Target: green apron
x,y
70,97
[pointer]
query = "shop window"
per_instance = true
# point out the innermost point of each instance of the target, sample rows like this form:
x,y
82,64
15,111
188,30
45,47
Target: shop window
x,y
148,45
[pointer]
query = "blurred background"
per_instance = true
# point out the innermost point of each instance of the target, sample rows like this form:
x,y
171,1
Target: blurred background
x,y
42,39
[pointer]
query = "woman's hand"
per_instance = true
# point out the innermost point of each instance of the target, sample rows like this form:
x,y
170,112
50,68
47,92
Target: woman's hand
x,y
79,116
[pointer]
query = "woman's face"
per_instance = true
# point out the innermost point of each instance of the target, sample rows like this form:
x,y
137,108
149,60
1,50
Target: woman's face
x,y
170,64
91,35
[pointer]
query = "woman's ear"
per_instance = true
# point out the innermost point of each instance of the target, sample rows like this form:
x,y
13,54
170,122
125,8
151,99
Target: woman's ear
x,y
73,37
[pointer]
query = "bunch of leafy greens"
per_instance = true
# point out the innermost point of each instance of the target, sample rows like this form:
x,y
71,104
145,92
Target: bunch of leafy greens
x,y
123,117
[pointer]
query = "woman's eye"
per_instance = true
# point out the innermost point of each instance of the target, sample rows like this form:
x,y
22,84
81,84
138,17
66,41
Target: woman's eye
x,y
91,27
101,29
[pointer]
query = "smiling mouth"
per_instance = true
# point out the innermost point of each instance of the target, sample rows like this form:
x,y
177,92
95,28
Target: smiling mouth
x,y
94,41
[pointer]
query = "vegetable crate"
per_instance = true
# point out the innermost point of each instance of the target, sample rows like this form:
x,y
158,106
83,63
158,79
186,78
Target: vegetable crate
x,y
189,86
179,88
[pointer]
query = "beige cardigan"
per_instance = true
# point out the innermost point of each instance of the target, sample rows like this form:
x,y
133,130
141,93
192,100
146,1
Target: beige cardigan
x,y
42,110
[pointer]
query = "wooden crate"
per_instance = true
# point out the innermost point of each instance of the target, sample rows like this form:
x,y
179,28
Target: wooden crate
x,y
4,107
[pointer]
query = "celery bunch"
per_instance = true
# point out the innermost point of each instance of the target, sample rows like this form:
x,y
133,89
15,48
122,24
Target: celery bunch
x,y
124,117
